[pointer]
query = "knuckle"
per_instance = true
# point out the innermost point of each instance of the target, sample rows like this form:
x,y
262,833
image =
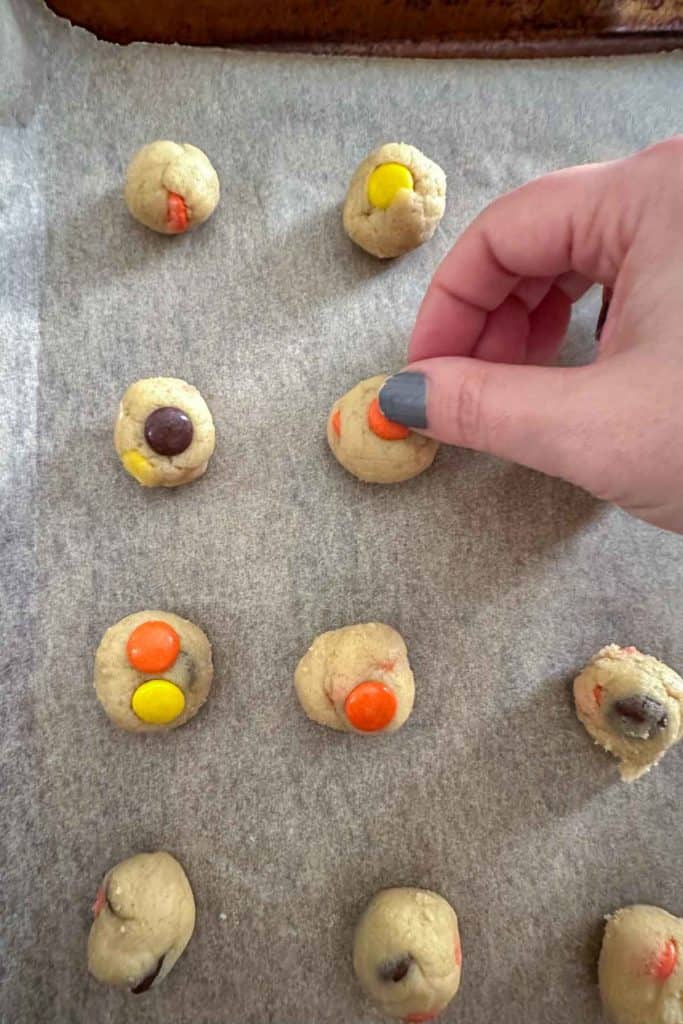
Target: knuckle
x,y
466,411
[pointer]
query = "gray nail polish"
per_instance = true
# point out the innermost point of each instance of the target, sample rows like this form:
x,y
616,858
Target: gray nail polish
x,y
403,399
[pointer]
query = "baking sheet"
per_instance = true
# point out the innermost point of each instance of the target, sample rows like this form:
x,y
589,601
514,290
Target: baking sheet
x,y
502,581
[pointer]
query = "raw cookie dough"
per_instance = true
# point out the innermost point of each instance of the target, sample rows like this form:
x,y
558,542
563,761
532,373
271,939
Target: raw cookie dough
x,y
144,917
171,187
357,679
640,972
631,704
164,433
407,954
370,446
153,671
395,200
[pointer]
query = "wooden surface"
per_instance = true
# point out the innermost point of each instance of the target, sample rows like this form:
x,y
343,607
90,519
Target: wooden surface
x,y
392,27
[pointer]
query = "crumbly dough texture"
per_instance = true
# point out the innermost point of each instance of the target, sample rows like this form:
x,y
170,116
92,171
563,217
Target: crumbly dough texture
x,y
631,990
412,217
621,673
162,167
116,680
148,913
362,452
141,399
413,935
339,660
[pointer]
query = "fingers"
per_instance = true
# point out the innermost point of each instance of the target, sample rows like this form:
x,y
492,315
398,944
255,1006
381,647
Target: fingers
x,y
574,225
541,417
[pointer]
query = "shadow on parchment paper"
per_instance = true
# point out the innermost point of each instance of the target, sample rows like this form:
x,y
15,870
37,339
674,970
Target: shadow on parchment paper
x,y
339,267
98,240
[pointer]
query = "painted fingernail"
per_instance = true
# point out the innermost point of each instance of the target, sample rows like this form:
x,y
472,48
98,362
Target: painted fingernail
x,y
403,399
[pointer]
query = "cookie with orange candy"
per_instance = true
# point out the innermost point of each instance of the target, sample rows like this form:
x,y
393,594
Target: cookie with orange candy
x,y
357,679
171,187
372,447
640,968
153,671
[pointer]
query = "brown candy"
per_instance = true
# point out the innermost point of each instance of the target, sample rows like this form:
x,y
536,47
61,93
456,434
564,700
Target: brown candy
x,y
168,430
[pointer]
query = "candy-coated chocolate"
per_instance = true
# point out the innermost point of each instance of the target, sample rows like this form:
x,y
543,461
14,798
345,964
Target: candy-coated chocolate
x,y
370,706
138,466
176,213
383,427
153,646
386,181
168,430
158,701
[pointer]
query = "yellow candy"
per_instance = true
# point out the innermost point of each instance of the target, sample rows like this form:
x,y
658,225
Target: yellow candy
x,y
386,181
139,467
158,701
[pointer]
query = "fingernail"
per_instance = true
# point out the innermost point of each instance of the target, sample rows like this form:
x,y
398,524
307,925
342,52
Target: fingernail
x,y
403,399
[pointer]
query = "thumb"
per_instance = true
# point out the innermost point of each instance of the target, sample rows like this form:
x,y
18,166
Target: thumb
x,y
541,417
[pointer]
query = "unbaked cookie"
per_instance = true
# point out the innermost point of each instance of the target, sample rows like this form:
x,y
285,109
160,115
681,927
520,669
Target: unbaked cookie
x,y
396,198
357,679
407,954
164,433
153,671
631,704
171,187
144,918
640,972
370,446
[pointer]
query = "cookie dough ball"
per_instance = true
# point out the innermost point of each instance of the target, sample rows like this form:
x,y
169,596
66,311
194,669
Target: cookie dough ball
x,y
144,917
631,704
171,187
395,200
407,954
640,971
357,679
164,433
370,446
153,671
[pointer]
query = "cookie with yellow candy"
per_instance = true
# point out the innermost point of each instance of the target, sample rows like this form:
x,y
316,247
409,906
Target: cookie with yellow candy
x,y
164,433
396,198
153,671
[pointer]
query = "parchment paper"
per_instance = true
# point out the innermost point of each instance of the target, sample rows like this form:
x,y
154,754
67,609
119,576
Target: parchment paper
x,y
502,581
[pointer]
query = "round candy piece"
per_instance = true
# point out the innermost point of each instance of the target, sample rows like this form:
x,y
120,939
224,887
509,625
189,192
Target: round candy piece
x,y
153,646
140,468
383,427
158,702
386,181
370,706
168,430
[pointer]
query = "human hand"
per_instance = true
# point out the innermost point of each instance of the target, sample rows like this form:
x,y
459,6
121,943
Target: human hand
x,y
498,308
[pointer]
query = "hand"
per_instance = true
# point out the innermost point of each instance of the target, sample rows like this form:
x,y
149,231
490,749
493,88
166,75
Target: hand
x,y
498,308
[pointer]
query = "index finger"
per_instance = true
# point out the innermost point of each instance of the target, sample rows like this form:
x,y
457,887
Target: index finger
x,y
568,222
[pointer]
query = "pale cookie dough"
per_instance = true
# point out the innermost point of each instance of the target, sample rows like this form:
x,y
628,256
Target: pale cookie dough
x,y
153,671
640,972
144,918
396,198
357,679
164,433
171,187
370,446
631,704
407,954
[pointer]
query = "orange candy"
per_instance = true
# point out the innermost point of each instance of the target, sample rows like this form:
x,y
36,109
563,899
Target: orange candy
x,y
335,420
100,900
370,706
666,961
384,428
153,647
597,694
176,212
